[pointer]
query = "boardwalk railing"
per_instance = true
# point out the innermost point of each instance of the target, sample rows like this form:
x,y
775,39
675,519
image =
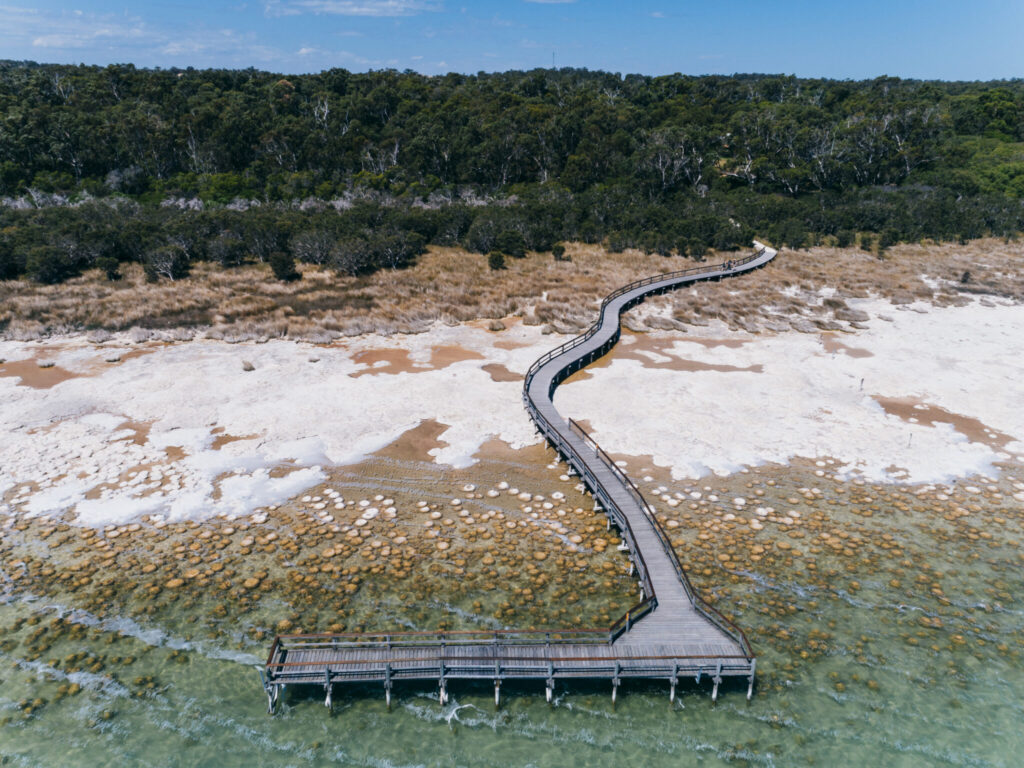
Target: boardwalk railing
x,y
581,463
540,654
667,277
392,640
698,603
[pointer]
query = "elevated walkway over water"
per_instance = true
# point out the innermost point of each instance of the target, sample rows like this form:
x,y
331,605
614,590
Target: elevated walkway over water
x,y
669,634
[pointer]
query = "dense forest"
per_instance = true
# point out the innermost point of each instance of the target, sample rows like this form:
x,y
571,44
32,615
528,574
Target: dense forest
x,y
360,171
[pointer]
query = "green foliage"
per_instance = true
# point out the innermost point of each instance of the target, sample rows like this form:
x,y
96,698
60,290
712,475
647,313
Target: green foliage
x,y
48,264
514,161
888,238
166,262
110,267
227,249
283,266
558,252
511,243
844,238
697,249
496,260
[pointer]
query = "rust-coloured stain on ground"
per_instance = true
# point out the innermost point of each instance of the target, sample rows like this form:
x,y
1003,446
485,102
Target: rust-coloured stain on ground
x,y
415,444
832,344
510,345
223,438
445,355
499,372
398,360
915,411
33,376
646,349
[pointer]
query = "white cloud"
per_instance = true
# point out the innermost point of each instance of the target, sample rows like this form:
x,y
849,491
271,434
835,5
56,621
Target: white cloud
x,y
29,27
350,7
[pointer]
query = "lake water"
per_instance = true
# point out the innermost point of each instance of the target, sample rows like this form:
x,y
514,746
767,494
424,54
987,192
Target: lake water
x,y
887,622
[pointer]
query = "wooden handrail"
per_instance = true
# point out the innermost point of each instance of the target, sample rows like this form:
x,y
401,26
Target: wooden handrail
x,y
454,660
553,433
514,637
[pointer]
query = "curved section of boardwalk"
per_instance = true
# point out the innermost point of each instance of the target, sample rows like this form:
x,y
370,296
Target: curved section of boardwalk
x,y
671,617
670,634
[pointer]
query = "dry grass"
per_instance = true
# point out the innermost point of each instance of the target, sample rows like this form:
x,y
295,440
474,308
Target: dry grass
x,y
777,298
450,285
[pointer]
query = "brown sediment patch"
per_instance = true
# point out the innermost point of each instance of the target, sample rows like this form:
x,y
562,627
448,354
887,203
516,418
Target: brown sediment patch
x,y
175,453
139,428
832,344
415,444
32,375
449,354
645,349
223,438
712,343
396,361
511,345
285,468
916,411
497,450
499,372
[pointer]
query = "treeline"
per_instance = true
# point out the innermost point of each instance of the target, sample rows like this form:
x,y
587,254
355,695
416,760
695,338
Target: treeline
x,y
670,164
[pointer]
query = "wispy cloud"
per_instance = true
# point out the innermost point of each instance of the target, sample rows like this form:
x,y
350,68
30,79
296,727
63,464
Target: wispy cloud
x,y
350,7
69,29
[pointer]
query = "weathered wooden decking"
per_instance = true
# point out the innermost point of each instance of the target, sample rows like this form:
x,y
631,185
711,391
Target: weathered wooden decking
x,y
670,633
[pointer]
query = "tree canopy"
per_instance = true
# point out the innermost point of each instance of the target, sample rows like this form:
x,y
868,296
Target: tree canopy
x,y
508,161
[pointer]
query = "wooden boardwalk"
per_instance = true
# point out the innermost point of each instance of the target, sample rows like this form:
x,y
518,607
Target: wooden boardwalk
x,y
671,633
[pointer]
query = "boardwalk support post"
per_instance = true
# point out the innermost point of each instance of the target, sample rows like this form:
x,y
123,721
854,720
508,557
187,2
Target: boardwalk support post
x,y
615,684
443,693
387,686
750,685
549,686
271,699
717,680
673,682
274,697
327,688
497,693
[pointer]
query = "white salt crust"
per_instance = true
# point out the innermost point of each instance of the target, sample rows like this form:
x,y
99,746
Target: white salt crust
x,y
70,441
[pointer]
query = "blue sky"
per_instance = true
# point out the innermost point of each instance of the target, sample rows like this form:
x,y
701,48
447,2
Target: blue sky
x,y
979,39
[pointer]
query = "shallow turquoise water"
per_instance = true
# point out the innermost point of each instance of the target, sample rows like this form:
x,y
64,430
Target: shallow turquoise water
x,y
852,671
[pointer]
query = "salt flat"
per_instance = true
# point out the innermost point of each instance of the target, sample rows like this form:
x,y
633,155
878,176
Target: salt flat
x,y
181,431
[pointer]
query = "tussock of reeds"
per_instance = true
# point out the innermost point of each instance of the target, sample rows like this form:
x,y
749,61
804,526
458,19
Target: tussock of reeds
x,y
450,285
